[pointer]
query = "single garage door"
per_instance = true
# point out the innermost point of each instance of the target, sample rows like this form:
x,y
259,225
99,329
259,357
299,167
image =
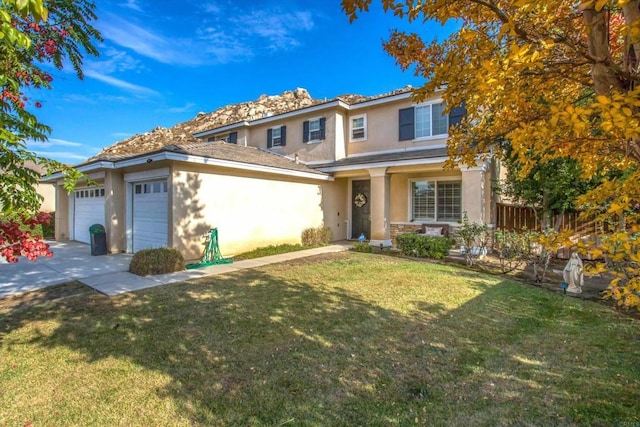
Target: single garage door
x,y
88,210
150,214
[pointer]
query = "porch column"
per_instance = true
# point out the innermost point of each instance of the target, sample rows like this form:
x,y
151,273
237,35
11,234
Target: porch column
x,y
61,231
380,201
114,211
474,194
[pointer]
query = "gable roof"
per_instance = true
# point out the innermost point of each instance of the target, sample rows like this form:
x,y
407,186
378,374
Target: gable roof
x,y
265,108
216,153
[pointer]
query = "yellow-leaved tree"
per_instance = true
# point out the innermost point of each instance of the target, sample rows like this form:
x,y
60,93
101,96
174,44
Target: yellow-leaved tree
x,y
551,79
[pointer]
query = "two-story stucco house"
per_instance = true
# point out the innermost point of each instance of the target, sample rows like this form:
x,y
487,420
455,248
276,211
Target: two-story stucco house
x,y
373,167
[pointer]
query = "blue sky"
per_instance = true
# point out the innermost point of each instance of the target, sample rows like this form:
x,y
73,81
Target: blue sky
x,y
162,62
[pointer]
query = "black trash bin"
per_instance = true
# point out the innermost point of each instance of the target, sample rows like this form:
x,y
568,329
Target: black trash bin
x,y
98,240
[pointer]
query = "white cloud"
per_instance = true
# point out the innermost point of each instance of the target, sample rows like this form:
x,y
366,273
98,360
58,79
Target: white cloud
x,y
278,30
61,142
145,42
185,108
132,4
211,8
77,98
121,135
222,34
64,156
114,61
141,90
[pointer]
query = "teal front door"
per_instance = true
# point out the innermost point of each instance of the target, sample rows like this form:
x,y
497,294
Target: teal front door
x,y
360,209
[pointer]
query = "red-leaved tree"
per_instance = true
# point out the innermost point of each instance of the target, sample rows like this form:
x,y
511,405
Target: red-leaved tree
x,y
34,34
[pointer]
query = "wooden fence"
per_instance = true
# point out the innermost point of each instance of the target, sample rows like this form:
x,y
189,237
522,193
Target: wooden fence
x,y
520,218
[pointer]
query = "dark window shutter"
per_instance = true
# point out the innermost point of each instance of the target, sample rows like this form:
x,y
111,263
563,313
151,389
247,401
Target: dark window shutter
x,y
305,131
283,135
269,138
406,123
456,114
233,138
211,139
322,125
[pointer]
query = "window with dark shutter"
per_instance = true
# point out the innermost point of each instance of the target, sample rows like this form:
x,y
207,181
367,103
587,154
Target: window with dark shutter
x,y
406,124
276,137
232,138
305,131
456,114
313,130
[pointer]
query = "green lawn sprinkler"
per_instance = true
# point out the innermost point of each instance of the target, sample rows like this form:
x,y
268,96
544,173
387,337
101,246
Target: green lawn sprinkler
x,y
211,254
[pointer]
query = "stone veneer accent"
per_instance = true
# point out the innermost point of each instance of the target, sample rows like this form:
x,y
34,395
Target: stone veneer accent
x,y
396,229
402,227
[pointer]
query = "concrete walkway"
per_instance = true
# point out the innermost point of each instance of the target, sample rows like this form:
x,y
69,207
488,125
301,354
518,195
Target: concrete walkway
x,y
109,274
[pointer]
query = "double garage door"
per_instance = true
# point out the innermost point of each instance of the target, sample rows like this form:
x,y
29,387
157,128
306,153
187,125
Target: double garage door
x,y
150,214
150,203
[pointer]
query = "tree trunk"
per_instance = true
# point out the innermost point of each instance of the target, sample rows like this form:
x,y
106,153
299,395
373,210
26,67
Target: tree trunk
x,y
631,12
604,77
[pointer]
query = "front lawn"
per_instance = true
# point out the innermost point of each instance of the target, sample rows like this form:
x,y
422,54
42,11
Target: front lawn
x,y
341,339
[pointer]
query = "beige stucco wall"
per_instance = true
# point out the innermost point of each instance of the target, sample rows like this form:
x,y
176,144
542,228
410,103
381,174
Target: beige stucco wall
x,y
383,129
335,207
48,192
323,150
61,231
249,211
114,211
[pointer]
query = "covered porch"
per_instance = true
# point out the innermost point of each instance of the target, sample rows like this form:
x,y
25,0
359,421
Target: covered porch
x,y
386,198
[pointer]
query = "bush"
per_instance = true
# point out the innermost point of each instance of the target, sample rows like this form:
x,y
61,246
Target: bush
x,y
474,238
363,247
156,261
423,246
316,236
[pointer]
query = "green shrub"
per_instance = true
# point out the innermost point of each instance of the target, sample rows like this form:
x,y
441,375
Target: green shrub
x,y
423,246
156,261
363,247
474,238
316,236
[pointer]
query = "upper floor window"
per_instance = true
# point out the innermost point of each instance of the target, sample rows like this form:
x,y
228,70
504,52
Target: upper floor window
x,y
277,136
358,128
428,120
231,138
313,130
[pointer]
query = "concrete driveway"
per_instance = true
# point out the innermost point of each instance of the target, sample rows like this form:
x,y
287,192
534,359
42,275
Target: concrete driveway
x,y
70,261
109,274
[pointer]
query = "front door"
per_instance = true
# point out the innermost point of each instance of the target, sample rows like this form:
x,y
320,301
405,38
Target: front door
x,y
360,209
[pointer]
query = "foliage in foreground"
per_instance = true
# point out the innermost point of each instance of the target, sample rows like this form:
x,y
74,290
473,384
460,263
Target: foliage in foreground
x,y
540,81
34,35
346,339
156,261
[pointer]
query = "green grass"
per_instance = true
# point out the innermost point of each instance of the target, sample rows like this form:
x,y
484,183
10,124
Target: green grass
x,y
342,339
271,250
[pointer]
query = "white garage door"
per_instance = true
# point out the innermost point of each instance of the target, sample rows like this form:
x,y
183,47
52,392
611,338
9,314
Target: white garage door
x,y
88,210
150,215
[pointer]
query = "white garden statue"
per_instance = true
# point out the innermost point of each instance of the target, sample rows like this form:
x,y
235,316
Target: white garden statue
x,y
572,274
